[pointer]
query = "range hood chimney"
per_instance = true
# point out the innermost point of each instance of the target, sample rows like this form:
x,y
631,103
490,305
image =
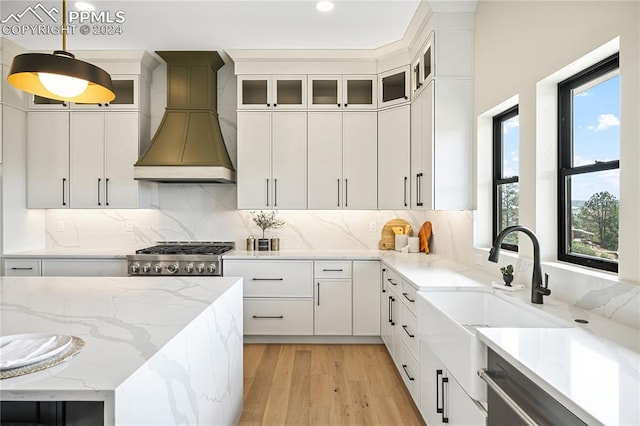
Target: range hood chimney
x,y
188,146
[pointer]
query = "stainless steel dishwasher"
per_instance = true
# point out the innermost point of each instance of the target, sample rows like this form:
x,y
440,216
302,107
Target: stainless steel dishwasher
x,y
515,400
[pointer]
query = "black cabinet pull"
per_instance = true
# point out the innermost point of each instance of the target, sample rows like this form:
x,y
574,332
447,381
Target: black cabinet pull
x,y
267,191
407,297
419,189
445,419
275,105
338,105
404,327
405,191
268,317
346,192
64,201
106,192
332,270
15,268
404,367
338,192
438,409
392,300
267,279
275,192
383,271
391,281
406,97
318,293
99,180
268,105
345,105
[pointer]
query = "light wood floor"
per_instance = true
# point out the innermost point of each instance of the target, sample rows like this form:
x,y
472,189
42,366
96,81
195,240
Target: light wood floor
x,y
324,385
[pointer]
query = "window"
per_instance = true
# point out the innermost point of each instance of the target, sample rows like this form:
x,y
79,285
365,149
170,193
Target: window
x,y
589,166
506,138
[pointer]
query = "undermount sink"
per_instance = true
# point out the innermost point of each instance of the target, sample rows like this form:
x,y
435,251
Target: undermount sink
x,y
448,321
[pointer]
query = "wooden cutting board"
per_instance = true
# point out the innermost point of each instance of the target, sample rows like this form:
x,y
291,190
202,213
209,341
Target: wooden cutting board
x,y
388,238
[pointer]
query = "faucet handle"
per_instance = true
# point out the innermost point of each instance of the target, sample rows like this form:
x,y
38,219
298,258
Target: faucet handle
x,y
545,291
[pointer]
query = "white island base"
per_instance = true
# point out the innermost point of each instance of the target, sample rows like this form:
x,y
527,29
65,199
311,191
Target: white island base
x,y
158,351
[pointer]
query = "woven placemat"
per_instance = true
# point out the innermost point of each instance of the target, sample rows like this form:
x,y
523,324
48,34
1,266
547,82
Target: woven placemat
x,y
76,346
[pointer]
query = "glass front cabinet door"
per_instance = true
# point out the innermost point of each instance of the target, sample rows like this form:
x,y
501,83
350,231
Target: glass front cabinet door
x,y
393,87
271,92
337,92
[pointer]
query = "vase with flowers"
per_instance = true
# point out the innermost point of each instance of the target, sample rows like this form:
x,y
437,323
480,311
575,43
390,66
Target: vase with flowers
x,y
264,221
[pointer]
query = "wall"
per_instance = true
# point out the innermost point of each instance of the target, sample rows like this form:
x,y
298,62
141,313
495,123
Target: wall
x,y
522,50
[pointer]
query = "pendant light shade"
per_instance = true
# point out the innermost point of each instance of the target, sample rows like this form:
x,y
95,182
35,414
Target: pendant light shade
x,y
62,77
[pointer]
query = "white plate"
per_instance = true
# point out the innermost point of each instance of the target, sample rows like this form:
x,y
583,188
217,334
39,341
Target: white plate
x,y
62,342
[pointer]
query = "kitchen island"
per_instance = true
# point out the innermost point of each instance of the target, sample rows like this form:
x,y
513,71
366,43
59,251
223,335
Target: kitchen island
x,y
158,351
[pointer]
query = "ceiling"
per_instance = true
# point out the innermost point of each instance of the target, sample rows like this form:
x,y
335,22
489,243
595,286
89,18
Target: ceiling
x,y
213,24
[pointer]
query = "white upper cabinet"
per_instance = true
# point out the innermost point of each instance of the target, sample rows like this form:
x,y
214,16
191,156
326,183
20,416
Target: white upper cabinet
x,y
422,67
279,92
394,87
126,88
332,92
48,159
272,153
393,154
342,160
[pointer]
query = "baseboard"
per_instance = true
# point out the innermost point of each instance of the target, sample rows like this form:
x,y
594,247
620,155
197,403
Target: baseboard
x,y
336,340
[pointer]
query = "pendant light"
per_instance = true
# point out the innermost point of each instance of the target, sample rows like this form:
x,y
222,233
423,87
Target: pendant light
x,y
60,75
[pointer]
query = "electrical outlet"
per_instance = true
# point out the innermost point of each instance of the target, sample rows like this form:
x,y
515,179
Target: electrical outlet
x,y
60,226
479,260
372,226
129,225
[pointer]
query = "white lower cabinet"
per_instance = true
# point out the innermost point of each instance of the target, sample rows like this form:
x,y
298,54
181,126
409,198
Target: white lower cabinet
x,y
278,316
84,268
66,267
305,297
332,307
278,295
22,267
366,298
442,399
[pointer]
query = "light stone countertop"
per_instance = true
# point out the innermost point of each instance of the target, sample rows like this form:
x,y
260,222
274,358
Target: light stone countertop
x,y
134,328
72,253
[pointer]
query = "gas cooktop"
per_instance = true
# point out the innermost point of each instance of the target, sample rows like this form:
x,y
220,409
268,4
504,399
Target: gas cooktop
x,y
180,258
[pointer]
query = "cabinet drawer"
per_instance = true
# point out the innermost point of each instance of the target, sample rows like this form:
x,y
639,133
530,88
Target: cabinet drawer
x,y
408,296
410,372
278,317
332,269
394,281
273,278
84,268
409,332
22,267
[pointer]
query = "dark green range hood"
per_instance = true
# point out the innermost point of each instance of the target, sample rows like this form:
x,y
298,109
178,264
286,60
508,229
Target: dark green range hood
x,y
188,146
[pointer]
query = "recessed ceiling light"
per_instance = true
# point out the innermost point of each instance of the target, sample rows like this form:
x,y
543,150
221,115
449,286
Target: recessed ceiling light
x,y
324,6
84,6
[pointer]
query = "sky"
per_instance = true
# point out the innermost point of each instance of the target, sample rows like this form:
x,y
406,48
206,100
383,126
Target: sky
x,y
596,137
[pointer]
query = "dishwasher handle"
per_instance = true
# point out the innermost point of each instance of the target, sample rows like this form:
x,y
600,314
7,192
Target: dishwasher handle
x,y
517,409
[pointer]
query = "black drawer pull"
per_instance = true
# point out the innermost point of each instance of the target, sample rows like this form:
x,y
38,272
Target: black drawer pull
x,y
22,269
407,297
407,331
332,270
391,281
267,279
268,317
404,367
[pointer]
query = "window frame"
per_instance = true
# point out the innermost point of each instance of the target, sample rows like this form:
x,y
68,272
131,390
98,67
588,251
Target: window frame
x,y
565,160
498,179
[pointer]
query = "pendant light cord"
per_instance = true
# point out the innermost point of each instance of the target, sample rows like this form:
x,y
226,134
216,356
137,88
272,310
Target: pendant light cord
x,y
64,25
